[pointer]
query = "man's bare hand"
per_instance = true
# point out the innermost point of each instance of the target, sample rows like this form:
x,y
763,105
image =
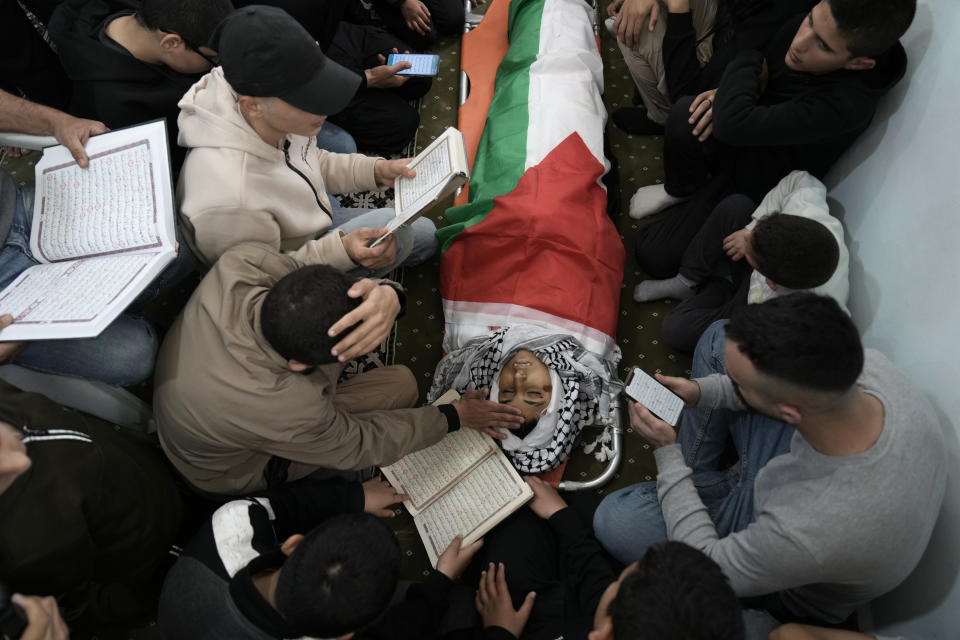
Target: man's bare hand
x,y
701,113
455,558
386,171
614,7
73,133
494,604
384,76
546,500
649,427
9,350
43,617
416,15
378,495
683,387
375,314
736,244
355,243
633,17
476,412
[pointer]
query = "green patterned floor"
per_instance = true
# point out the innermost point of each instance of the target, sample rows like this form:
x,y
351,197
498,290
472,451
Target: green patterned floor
x,y
419,334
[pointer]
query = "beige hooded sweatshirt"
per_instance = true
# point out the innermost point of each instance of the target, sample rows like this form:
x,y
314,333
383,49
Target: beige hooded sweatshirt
x,y
234,187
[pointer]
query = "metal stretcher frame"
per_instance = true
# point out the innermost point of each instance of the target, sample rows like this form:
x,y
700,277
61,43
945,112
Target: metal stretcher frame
x,y
471,20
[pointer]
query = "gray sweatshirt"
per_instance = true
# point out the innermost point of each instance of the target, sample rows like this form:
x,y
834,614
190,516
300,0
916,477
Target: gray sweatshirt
x,y
829,532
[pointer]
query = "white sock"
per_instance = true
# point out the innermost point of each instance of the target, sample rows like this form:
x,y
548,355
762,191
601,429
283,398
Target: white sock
x,y
650,200
677,287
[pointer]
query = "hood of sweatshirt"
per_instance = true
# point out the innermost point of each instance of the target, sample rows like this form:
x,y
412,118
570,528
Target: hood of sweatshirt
x,y
210,117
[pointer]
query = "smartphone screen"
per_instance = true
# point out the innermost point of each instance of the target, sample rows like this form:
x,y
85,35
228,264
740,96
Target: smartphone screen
x,y
424,64
661,402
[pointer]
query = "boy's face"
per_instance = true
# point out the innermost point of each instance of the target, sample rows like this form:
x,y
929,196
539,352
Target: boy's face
x,y
13,456
525,384
819,47
285,117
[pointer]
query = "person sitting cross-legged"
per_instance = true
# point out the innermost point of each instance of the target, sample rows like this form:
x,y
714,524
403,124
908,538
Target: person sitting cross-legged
x,y
745,254
254,171
798,104
247,393
816,517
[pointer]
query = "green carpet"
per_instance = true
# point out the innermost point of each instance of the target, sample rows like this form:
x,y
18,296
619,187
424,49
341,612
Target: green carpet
x,y
418,337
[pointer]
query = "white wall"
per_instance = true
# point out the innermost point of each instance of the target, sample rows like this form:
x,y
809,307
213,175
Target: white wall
x,y
898,192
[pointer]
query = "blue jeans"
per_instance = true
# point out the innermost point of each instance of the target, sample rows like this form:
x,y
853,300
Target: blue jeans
x,y
416,242
122,355
629,521
335,139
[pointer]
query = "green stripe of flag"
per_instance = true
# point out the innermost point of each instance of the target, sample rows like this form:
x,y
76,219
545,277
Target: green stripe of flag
x,y
502,152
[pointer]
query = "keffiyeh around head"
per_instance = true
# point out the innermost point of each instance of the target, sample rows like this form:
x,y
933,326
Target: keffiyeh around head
x,y
583,386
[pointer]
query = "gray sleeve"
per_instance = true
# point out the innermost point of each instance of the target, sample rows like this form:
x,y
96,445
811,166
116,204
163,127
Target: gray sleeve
x,y
716,392
760,559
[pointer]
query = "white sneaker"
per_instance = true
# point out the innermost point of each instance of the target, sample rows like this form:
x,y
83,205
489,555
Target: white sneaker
x,y
652,199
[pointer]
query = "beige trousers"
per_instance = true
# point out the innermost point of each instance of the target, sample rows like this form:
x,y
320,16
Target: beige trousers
x,y
392,387
645,62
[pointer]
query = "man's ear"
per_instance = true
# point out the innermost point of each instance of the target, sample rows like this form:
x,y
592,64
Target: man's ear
x,y
249,105
789,413
605,632
770,283
347,636
860,63
170,42
290,544
296,366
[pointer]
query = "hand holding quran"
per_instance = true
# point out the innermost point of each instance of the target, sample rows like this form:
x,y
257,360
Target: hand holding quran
x,y
463,485
440,169
101,234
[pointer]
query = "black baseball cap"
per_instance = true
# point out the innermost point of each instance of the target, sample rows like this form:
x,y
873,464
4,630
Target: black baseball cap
x,y
265,53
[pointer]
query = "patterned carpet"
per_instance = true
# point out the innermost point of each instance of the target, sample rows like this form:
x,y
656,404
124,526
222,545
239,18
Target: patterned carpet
x,y
417,339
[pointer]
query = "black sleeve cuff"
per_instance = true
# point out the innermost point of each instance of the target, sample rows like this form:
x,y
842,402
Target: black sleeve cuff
x,y
453,418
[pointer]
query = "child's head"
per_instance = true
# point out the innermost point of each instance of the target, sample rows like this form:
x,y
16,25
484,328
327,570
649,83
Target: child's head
x,y
299,310
848,34
339,577
793,251
673,591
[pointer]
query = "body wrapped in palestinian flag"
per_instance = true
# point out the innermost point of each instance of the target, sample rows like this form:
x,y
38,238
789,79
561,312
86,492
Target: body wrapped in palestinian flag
x,y
533,245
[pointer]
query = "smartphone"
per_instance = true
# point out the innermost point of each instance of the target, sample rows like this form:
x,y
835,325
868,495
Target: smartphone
x,y
661,402
423,64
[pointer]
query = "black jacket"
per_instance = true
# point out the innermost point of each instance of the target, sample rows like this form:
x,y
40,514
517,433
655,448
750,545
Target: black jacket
x,y
98,505
800,121
111,85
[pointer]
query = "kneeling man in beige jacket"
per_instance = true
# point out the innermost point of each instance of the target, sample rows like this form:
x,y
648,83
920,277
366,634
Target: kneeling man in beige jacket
x,y
247,393
254,172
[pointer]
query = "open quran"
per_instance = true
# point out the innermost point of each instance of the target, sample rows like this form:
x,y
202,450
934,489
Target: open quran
x,y
463,485
441,169
101,235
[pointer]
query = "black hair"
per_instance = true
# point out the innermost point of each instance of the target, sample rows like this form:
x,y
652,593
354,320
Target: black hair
x,y
870,27
676,593
801,338
793,251
192,20
340,577
300,309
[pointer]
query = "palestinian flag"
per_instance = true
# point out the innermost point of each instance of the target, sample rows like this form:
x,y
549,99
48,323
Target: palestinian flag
x,y
533,242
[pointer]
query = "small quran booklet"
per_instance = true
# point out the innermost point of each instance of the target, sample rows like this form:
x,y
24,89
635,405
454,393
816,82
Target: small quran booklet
x,y
101,235
441,169
462,485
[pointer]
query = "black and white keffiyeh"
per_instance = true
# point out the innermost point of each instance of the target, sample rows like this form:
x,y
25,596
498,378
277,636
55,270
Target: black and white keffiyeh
x,y
587,384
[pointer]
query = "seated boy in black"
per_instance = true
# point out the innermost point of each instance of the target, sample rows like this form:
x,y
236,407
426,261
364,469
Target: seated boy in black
x,y
797,105
250,574
745,254
132,61
566,586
